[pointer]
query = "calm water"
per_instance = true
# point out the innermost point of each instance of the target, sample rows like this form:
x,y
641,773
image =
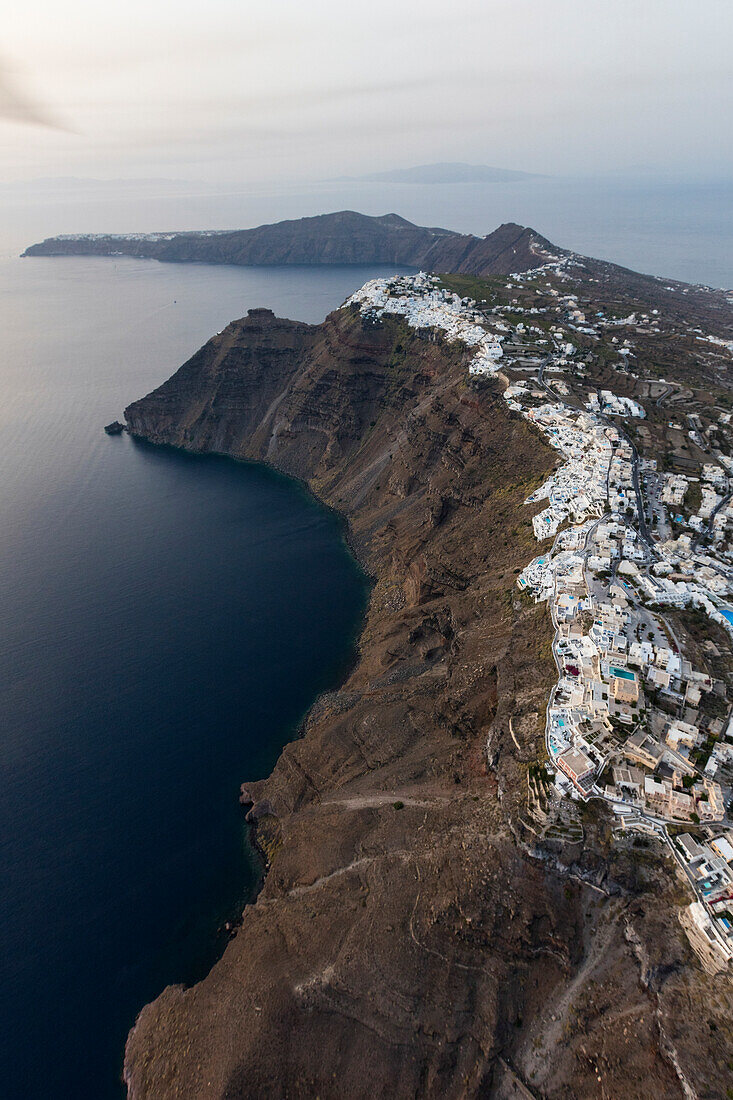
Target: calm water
x,y
164,623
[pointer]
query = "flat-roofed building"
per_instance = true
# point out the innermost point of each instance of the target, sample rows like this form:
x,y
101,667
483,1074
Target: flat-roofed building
x,y
643,749
680,804
629,780
655,792
596,698
714,954
693,695
660,795
578,767
682,734
723,847
659,677
712,808
691,849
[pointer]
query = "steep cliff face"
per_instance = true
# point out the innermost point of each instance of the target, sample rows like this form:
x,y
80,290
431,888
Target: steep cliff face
x,y
404,943
298,396
345,237
218,399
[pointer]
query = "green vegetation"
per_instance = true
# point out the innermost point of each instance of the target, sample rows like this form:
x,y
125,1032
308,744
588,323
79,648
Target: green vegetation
x,y
714,705
469,286
398,356
693,498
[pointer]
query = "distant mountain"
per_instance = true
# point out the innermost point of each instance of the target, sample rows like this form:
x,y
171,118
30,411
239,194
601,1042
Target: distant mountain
x,y
342,238
445,173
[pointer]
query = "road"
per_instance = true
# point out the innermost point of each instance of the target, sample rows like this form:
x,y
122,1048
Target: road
x,y
705,535
663,395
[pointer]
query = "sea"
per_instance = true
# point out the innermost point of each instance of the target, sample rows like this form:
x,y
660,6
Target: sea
x,y
165,623
166,620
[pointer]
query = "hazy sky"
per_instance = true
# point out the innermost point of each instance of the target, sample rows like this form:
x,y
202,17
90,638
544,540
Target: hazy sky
x,y
301,89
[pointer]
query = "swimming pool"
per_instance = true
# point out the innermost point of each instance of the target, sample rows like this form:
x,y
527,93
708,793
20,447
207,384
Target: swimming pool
x,y
622,673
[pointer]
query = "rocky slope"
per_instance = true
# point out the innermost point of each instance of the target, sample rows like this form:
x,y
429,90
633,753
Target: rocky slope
x,y
342,238
406,942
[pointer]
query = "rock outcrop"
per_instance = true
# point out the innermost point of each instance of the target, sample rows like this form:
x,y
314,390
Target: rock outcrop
x,y
408,941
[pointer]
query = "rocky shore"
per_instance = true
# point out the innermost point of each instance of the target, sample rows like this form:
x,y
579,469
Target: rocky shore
x,y
410,939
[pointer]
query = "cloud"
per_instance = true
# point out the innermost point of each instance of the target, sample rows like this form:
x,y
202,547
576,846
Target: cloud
x,y
17,106
303,98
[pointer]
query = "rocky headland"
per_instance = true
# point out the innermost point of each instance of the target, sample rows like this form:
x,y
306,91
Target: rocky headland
x,y
412,936
346,237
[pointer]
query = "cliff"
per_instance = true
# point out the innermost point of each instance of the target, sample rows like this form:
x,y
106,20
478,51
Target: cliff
x,y
408,939
341,238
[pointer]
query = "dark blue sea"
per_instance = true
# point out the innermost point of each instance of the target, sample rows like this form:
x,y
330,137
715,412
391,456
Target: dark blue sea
x,y
165,622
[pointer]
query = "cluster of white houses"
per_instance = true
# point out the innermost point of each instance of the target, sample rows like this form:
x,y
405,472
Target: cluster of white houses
x,y
611,729
577,489
624,719
423,304
606,402
713,509
603,669
607,671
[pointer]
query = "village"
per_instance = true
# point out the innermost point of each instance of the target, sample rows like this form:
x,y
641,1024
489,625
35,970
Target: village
x,y
630,720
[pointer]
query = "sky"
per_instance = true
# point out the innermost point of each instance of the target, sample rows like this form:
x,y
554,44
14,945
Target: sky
x,y
229,90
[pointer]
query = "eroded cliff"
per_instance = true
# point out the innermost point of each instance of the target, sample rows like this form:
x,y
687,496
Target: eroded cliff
x,y
405,942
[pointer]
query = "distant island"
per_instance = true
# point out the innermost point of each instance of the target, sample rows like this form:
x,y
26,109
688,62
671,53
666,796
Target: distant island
x,y
345,237
445,172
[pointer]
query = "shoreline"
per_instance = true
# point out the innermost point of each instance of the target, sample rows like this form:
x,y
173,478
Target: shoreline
x,y
354,644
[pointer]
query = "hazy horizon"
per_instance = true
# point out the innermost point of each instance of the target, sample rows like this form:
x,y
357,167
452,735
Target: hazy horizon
x,y
234,93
